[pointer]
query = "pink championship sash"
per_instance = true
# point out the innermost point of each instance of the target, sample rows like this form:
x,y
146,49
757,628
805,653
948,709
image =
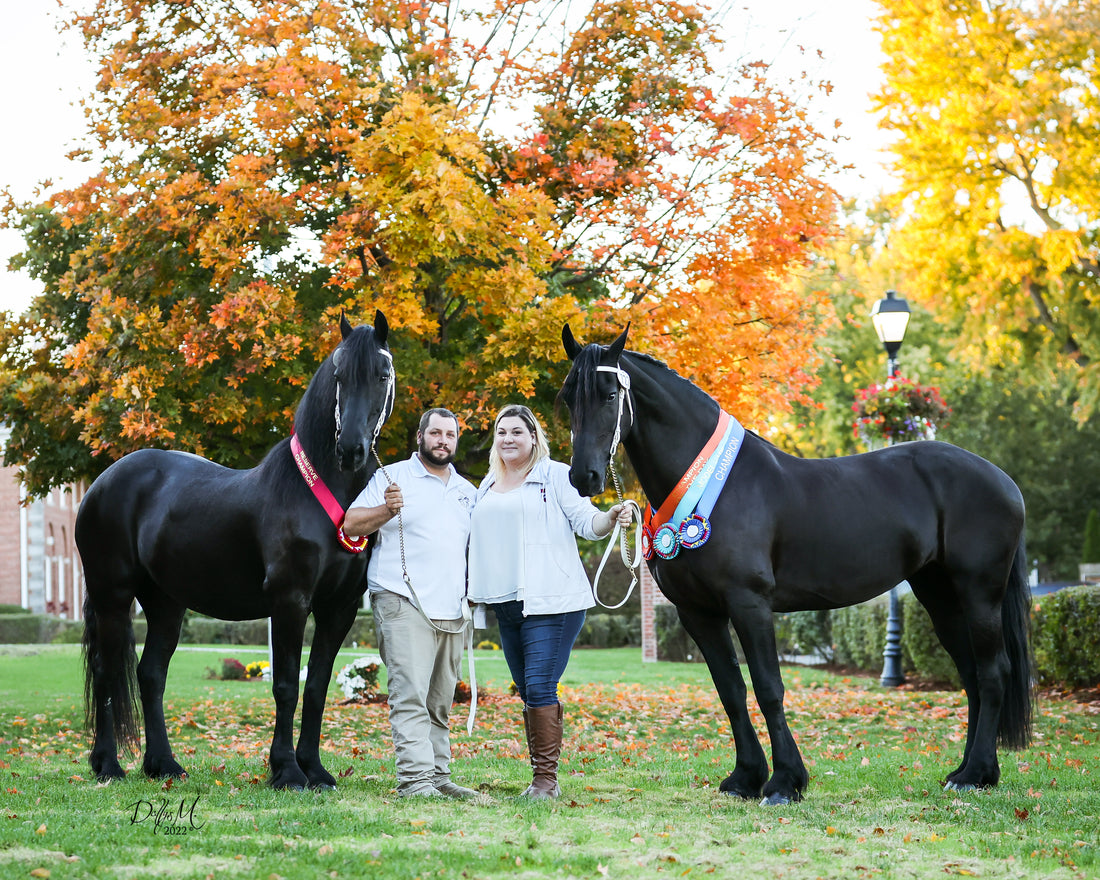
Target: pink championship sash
x,y
322,493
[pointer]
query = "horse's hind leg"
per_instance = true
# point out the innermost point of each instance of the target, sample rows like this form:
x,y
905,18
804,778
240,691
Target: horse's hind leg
x,y
933,588
331,627
983,620
165,617
976,642
109,681
711,634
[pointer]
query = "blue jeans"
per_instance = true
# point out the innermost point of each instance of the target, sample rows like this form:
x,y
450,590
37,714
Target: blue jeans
x,y
536,649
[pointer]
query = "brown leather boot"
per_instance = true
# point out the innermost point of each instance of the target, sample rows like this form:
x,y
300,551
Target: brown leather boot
x,y
527,733
546,732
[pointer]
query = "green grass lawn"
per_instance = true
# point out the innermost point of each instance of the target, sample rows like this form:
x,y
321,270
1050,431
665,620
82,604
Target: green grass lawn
x,y
646,747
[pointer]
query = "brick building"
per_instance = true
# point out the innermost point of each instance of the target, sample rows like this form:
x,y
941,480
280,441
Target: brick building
x,y
651,598
39,565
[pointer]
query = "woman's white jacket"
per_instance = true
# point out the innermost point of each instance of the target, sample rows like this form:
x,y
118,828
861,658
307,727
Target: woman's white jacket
x,y
554,579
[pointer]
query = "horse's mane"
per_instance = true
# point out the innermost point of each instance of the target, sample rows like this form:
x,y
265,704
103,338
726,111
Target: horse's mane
x,y
580,384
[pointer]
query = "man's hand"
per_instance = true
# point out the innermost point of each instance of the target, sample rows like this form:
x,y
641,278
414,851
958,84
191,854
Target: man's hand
x,y
393,498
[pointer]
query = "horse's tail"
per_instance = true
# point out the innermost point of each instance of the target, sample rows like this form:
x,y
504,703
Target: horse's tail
x,y
1016,710
110,673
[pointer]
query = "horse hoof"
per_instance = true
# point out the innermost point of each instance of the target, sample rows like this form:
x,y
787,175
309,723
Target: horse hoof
x,y
322,786
775,799
957,786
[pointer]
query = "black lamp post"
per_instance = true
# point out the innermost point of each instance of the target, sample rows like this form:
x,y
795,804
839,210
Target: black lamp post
x,y
890,317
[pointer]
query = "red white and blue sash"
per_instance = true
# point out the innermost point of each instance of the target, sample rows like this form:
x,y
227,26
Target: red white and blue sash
x,y
683,520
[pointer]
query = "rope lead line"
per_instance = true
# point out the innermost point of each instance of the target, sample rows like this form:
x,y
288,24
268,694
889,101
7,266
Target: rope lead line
x,y
633,562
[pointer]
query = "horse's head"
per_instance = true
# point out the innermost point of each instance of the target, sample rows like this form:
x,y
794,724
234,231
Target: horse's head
x,y
601,409
364,378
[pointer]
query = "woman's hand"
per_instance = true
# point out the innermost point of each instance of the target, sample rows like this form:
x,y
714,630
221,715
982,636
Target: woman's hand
x,y
618,513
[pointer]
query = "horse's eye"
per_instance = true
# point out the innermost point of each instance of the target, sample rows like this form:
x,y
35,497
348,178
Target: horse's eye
x,y
612,396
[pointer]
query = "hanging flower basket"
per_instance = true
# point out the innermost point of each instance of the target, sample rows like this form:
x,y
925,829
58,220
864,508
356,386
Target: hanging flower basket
x,y
897,410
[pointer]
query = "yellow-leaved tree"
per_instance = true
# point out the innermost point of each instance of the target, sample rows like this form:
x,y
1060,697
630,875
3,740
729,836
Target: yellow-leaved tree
x,y
995,105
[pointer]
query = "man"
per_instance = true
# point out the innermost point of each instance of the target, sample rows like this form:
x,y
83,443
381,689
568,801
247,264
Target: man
x,y
422,656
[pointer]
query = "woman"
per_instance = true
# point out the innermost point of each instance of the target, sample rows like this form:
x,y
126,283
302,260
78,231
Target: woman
x,y
524,564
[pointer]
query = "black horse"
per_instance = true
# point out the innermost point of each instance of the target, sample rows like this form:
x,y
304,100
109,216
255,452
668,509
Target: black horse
x,y
791,534
176,531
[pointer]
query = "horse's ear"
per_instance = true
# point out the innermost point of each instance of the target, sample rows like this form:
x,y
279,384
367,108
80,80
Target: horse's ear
x,y
616,348
381,327
345,325
571,347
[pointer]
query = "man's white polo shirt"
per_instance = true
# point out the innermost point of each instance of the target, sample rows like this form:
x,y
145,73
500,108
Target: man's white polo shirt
x,y
436,520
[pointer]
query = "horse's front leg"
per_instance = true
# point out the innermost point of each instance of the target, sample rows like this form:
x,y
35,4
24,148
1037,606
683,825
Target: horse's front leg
x,y
288,622
711,633
331,627
756,629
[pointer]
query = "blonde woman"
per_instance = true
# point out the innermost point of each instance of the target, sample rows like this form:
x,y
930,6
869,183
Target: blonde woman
x,y
524,564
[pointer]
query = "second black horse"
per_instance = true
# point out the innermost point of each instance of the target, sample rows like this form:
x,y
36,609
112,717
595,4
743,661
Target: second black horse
x,y
792,534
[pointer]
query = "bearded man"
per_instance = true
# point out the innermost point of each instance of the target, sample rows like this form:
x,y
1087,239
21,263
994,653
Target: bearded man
x,y
420,630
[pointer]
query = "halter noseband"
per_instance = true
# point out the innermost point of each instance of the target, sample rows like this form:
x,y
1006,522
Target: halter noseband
x,y
623,378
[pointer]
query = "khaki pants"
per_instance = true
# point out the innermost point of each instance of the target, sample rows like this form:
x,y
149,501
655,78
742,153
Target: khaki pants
x,y
422,667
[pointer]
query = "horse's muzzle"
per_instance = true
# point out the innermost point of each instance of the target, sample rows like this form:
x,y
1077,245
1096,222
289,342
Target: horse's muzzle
x,y
351,456
587,481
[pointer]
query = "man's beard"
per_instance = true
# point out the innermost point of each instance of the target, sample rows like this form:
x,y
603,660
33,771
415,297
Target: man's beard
x,y
437,457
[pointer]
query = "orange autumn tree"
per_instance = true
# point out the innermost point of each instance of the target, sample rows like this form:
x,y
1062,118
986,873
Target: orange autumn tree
x,y
481,173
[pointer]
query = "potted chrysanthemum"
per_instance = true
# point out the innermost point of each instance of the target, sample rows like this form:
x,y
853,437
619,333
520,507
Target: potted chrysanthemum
x,y
359,679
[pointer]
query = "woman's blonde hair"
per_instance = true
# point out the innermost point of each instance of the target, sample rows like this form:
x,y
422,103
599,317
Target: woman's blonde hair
x,y
540,450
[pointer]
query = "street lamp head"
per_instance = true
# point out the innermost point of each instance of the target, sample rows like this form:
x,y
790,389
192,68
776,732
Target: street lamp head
x,y
890,317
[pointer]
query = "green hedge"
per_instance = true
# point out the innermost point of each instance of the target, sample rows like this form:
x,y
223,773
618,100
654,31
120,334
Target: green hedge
x,y
610,631
921,646
853,637
673,642
805,632
1065,629
24,628
1065,638
201,630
